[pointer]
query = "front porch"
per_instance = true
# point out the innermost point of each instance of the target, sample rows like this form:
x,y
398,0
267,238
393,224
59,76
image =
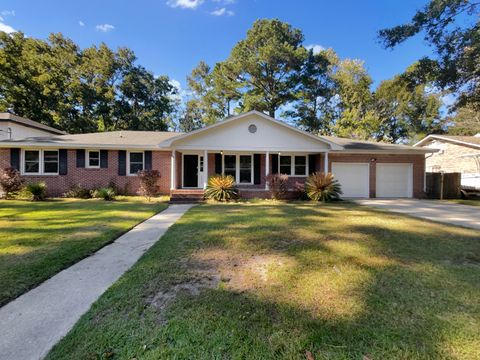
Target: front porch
x,y
191,168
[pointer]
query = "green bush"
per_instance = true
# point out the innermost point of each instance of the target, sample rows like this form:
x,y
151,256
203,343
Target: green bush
x,y
322,187
107,194
78,192
37,191
221,188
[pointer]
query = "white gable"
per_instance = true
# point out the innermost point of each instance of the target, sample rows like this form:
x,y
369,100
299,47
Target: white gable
x,y
235,134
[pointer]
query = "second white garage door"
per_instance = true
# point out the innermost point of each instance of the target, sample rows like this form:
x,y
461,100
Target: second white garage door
x,y
353,177
394,180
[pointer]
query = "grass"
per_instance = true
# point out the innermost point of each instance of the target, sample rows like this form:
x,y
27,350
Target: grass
x,y
268,280
38,239
466,202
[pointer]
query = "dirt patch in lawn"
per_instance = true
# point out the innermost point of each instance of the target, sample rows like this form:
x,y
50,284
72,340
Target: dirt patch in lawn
x,y
206,269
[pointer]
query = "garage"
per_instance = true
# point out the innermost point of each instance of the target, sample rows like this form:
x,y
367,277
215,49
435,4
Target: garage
x,y
353,177
394,180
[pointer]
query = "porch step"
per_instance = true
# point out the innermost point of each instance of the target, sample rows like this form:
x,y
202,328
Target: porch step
x,y
186,196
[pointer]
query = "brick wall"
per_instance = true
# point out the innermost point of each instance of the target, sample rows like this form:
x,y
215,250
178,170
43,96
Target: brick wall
x,y
449,158
418,162
93,178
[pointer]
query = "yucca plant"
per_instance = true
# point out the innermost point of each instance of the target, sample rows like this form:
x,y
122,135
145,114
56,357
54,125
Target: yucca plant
x,y
106,193
221,188
322,187
38,191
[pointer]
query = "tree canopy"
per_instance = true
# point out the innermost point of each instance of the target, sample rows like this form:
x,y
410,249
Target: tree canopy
x,y
78,90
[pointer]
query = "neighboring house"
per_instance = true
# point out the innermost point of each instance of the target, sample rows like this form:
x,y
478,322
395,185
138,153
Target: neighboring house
x,y
248,147
16,127
454,154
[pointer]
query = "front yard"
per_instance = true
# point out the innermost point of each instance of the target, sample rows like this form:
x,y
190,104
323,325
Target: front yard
x,y
38,239
268,281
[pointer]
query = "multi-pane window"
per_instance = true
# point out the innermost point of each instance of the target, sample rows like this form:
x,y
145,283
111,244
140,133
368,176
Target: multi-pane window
x,y
50,161
135,162
31,162
40,162
230,165
245,168
94,159
300,165
286,165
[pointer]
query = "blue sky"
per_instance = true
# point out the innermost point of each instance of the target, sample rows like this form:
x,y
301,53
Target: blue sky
x,y
171,36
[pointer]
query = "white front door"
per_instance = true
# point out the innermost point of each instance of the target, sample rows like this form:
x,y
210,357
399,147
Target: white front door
x,y
201,170
394,180
353,178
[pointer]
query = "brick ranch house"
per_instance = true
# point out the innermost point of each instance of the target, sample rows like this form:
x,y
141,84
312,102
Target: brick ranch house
x,y
248,146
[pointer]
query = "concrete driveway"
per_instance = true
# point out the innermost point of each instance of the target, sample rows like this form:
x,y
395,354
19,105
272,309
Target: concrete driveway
x,y
436,210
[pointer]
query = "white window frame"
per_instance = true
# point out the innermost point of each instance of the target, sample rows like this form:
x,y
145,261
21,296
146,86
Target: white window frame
x,y
41,163
292,164
237,168
88,160
128,161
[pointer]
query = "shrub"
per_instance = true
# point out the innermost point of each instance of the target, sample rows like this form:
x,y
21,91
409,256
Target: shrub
x,y
79,192
221,188
105,193
322,187
10,182
37,191
277,184
148,182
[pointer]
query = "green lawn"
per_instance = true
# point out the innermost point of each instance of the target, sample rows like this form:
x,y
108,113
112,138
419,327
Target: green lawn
x,y
466,202
38,239
275,281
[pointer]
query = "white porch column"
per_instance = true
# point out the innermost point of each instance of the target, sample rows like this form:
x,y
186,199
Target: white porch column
x,y
205,169
173,172
325,165
267,167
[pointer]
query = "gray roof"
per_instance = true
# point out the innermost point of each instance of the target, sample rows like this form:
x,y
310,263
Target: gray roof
x,y
362,145
5,116
110,139
471,140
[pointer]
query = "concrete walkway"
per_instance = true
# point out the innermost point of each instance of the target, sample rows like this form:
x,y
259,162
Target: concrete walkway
x,y
31,324
436,210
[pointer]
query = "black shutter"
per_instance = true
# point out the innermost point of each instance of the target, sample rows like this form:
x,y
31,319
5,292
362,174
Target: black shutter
x,y
104,159
15,158
274,163
312,163
256,169
218,163
148,160
80,158
62,162
122,162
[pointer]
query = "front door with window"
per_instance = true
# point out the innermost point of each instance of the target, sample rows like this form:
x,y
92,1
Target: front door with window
x,y
190,171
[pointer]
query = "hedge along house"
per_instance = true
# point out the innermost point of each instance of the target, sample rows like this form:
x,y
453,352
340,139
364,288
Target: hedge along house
x,y
248,146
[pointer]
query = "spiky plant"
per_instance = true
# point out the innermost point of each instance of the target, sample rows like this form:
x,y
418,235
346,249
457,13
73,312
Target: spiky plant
x,y
221,188
38,191
105,193
323,187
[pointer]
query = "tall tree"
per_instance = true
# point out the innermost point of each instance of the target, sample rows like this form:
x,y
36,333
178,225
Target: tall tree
x,y
452,28
312,111
265,65
356,116
465,121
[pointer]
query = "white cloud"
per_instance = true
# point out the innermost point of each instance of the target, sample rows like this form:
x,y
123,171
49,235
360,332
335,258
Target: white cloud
x,y
315,47
185,4
222,12
81,23
105,27
6,28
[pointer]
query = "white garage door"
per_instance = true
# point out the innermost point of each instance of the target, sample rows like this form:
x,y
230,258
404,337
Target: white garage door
x,y
353,177
394,180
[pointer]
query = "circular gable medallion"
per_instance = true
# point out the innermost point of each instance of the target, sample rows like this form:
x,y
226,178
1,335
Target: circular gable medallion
x,y
252,128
